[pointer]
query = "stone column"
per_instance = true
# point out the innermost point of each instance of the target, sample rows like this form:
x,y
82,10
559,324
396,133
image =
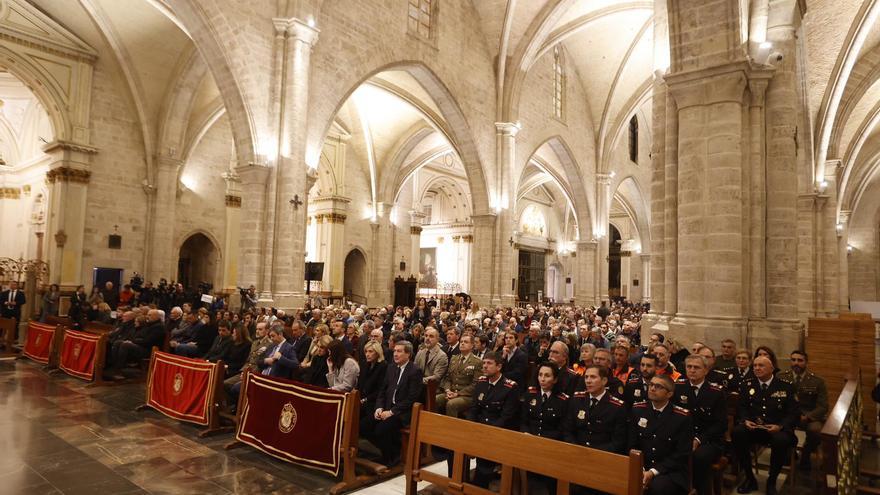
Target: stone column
x,y
162,255
711,238
382,266
602,232
252,261
843,259
233,225
464,261
68,179
331,213
291,174
482,266
646,277
655,279
585,272
415,232
505,263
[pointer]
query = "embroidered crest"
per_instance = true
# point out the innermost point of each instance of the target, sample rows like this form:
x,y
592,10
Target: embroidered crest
x,y
637,392
582,414
643,422
620,390
178,383
76,350
684,399
39,338
751,391
533,402
288,418
481,396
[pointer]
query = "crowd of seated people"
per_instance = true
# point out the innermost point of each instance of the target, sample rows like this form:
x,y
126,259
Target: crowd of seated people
x,y
578,375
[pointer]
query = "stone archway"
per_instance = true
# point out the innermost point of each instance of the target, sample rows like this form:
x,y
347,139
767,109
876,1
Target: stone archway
x,y
354,280
198,261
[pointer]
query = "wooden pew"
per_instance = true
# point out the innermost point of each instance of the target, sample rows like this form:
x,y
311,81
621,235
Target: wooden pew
x,y
568,463
842,441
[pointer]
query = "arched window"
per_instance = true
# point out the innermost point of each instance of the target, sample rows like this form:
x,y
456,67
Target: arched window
x,y
533,222
634,139
558,83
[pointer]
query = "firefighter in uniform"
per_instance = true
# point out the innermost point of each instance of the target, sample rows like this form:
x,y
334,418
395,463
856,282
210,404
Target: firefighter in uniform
x,y
812,399
496,403
543,411
766,414
636,388
708,407
664,433
596,418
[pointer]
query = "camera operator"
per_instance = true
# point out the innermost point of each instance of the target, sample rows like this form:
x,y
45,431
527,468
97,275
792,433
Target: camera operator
x,y
179,296
248,298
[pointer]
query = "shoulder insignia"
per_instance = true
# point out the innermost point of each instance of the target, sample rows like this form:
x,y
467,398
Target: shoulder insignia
x,y
634,379
681,381
482,379
509,383
571,371
614,400
580,394
715,386
533,389
562,396
640,405
680,410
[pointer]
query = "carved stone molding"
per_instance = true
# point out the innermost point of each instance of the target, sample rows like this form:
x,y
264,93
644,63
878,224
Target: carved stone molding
x,y
10,193
233,201
69,146
330,218
467,238
60,238
415,230
68,174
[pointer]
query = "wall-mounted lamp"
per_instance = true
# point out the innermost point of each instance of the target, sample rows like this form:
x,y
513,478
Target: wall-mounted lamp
x,y
823,186
849,249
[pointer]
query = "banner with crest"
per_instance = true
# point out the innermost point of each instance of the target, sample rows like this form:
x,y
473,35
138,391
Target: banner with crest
x,y
292,421
40,340
79,353
182,388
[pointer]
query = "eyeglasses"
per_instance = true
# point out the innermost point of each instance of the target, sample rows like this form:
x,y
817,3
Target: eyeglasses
x,y
656,386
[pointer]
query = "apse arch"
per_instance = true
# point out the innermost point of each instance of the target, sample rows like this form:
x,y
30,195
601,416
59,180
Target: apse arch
x,y
44,88
454,126
629,195
199,259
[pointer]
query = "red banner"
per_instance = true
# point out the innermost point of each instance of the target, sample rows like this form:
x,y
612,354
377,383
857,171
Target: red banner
x,y
39,342
182,388
294,422
79,352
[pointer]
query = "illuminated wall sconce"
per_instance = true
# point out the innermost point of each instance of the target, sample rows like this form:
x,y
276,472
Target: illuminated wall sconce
x,y
849,249
823,186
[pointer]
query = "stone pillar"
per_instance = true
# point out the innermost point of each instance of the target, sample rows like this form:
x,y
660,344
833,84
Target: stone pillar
x,y
670,208
646,278
482,266
464,262
711,241
331,213
843,259
291,174
252,261
233,226
505,263
162,247
585,272
383,266
415,232
655,280
68,179
602,232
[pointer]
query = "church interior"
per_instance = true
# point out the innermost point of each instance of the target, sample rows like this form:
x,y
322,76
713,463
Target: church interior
x,y
682,174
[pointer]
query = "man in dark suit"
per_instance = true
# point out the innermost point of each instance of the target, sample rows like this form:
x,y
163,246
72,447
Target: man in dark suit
x,y
280,359
138,347
664,433
516,362
299,340
402,388
708,407
12,301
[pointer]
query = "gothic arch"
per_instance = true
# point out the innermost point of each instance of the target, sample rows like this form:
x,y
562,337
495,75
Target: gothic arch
x,y
43,86
633,202
454,126
355,280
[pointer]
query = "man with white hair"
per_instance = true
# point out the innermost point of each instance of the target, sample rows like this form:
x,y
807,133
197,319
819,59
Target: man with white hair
x,y
431,359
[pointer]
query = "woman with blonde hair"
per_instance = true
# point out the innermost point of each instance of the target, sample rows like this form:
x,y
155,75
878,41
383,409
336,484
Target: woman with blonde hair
x,y
371,376
321,330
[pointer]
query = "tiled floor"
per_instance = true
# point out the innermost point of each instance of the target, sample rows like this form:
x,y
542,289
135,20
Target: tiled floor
x,y
59,436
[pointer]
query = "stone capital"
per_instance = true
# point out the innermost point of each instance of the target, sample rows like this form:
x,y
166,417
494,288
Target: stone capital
x,y
485,220
168,163
718,84
233,201
68,174
590,245
603,179
507,129
252,174
296,29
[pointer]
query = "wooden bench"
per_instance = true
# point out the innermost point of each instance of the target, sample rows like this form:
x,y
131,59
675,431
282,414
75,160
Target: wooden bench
x,y
512,450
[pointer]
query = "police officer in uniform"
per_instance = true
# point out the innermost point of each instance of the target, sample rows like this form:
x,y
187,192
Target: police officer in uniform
x,y
596,418
543,411
664,433
715,376
741,373
708,407
766,413
454,395
636,388
496,403
569,381
812,398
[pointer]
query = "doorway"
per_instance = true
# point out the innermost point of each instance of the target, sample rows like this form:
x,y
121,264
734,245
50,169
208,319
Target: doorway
x,y
531,275
614,242
197,262
354,277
